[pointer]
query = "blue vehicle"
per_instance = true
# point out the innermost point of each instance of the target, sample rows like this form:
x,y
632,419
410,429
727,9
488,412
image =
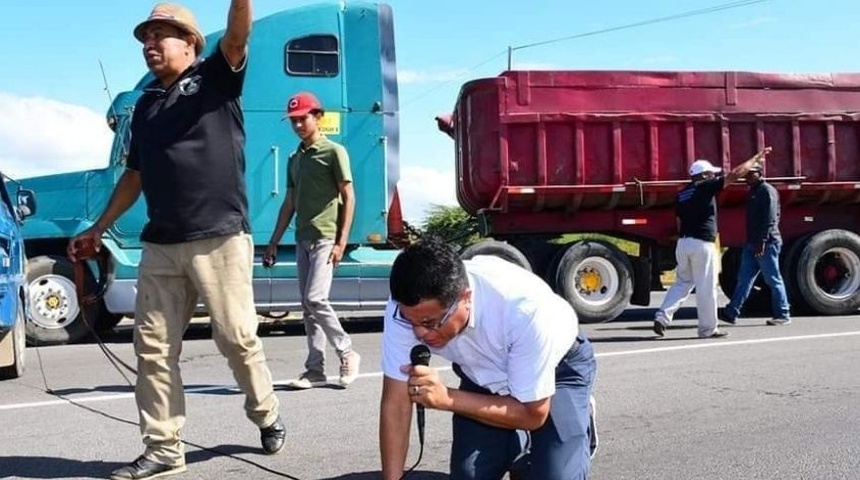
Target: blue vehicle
x,y
13,281
343,53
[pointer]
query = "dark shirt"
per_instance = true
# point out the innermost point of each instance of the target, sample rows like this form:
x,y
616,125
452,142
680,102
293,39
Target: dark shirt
x,y
188,145
696,207
762,214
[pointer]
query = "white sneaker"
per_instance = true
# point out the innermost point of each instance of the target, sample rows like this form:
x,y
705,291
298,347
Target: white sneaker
x,y
779,321
349,366
308,379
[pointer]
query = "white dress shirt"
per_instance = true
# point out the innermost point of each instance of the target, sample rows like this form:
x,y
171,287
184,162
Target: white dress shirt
x,y
517,333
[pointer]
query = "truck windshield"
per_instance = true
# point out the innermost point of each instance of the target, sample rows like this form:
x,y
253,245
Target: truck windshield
x,y
121,140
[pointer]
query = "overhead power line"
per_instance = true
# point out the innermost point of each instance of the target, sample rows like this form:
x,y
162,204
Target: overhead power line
x,y
678,16
510,50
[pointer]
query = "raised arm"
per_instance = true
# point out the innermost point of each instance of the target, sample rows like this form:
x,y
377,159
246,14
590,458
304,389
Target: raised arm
x,y
742,169
234,44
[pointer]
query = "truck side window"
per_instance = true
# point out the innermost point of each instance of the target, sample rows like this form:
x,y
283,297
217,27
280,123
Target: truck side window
x,y
313,55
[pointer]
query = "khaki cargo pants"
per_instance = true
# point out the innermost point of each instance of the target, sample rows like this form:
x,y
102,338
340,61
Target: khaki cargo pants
x,y
171,279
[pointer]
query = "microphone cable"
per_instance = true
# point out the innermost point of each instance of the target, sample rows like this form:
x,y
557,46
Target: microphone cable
x,y
420,455
420,355
118,364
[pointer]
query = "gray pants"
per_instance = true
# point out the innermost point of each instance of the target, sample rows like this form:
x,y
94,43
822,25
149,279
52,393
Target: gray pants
x,y
697,267
321,322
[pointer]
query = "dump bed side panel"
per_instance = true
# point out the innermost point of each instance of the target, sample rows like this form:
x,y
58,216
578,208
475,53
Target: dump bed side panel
x,y
532,142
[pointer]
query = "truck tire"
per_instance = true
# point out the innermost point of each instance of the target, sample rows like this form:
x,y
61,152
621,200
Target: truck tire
x,y
758,302
499,249
106,320
828,272
55,315
596,279
790,276
15,342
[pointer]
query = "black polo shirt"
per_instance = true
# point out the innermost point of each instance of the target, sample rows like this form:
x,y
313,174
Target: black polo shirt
x,y
696,207
187,142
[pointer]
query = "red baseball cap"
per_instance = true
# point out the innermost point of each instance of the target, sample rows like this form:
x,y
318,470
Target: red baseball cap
x,y
301,104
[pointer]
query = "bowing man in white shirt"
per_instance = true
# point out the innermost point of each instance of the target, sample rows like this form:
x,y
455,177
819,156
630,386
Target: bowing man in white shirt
x,y
526,371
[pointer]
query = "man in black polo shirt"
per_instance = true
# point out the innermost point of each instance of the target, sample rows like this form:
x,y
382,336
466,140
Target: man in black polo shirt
x,y
760,252
696,252
187,158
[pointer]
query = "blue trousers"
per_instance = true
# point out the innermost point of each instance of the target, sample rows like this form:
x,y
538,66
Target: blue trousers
x,y
559,450
768,265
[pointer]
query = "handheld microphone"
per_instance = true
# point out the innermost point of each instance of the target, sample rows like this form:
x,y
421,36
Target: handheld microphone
x,y
420,355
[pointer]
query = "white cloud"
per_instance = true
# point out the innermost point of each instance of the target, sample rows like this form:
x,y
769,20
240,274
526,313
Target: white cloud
x,y
40,136
421,76
421,187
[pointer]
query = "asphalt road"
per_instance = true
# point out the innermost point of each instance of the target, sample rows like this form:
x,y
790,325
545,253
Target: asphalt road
x,y
764,403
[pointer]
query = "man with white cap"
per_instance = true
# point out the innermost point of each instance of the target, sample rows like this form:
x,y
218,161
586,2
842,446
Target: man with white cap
x,y
187,158
696,253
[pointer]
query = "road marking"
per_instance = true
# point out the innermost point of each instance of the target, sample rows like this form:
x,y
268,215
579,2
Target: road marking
x,y
333,380
723,343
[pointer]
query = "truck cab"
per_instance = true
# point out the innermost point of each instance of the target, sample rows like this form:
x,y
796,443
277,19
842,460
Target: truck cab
x,y
342,52
13,281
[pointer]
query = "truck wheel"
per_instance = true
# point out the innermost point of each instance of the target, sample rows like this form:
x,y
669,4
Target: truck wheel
x,y
596,279
828,272
55,315
758,302
106,320
14,343
791,274
499,249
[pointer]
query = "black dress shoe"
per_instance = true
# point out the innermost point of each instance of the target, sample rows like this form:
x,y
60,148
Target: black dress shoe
x,y
144,468
659,329
273,437
722,315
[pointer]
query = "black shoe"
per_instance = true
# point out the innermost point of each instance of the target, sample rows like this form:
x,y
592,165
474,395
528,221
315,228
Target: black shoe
x,y
143,469
723,316
659,329
273,437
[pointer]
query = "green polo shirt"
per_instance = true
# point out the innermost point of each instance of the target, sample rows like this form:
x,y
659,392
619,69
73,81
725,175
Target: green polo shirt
x,y
314,174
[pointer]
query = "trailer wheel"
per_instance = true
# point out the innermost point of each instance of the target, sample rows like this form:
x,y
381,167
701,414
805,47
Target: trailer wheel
x,y
15,342
828,272
758,302
499,249
791,274
55,315
596,279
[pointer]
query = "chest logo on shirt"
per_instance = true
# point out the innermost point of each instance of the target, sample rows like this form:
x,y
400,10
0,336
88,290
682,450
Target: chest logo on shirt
x,y
190,86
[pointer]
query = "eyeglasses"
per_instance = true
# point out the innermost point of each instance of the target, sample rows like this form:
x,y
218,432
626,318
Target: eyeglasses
x,y
428,324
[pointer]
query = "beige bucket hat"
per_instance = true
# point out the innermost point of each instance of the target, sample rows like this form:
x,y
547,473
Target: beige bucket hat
x,y
176,15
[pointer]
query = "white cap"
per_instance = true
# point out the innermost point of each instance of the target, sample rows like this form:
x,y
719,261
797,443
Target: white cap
x,y
702,166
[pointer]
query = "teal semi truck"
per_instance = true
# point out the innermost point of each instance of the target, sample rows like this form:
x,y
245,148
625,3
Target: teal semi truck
x,y
342,52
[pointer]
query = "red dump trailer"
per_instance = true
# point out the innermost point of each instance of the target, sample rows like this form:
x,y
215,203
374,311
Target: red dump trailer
x,y
573,174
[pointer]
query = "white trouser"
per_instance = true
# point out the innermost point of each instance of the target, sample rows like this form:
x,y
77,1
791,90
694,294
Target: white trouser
x,y
697,267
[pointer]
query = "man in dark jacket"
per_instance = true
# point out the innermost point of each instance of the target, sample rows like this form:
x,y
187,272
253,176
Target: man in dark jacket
x,y
761,251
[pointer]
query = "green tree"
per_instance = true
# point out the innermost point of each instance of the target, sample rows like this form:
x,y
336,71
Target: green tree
x,y
451,223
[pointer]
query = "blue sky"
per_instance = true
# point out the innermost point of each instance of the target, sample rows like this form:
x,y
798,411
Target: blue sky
x,y
52,98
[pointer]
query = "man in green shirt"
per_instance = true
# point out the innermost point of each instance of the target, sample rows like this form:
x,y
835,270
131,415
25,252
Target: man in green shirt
x,y
321,195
